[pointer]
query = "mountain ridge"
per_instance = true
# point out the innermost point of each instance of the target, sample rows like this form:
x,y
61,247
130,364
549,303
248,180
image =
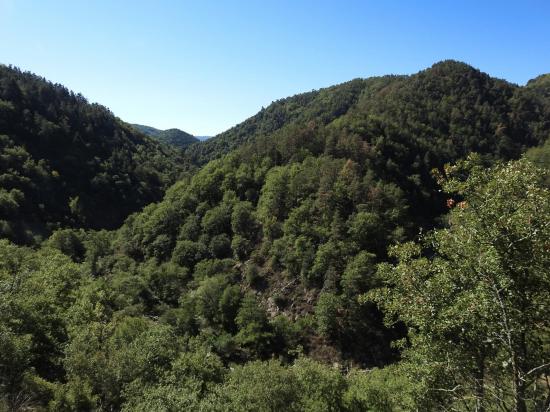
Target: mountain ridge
x,y
316,106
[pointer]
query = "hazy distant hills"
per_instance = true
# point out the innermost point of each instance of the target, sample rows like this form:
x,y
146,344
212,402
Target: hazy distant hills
x,y
174,137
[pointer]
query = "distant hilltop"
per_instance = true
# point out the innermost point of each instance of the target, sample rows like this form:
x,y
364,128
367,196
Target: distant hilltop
x,y
174,137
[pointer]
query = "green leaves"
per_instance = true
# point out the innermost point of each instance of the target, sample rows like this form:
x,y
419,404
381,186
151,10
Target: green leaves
x,y
477,299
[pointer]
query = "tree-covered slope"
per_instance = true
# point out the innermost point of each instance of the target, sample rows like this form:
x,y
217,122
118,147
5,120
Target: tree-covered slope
x,y
68,163
107,334
453,90
321,106
300,215
173,137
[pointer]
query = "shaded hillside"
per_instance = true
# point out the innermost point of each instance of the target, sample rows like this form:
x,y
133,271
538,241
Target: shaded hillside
x,y
173,137
69,163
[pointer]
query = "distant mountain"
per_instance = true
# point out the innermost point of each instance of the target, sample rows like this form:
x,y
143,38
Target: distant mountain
x,y
173,137
203,138
68,163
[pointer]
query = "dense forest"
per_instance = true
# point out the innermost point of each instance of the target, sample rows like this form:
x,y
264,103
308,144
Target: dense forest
x,y
173,137
68,163
379,245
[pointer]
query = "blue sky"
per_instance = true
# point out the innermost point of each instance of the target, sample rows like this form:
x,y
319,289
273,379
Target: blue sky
x,y
204,66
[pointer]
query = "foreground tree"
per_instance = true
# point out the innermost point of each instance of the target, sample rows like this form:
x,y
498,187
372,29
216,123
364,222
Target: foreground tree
x,y
475,295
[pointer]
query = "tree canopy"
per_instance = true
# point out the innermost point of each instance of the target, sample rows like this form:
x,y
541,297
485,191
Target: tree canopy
x,y
341,250
68,163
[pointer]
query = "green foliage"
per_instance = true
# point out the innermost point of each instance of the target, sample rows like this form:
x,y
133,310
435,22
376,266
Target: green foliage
x,y
187,253
261,387
68,163
255,333
36,291
208,297
358,276
540,156
326,314
69,242
380,390
15,359
108,357
167,282
243,222
321,387
477,307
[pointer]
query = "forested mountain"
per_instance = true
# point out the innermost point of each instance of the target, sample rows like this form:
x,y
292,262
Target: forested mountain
x,y
68,163
322,106
459,94
270,280
173,137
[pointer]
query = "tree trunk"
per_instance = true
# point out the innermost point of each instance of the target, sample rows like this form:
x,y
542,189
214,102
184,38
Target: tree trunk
x,y
480,385
519,393
518,369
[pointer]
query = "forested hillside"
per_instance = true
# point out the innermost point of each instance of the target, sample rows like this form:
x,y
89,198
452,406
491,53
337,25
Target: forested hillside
x,y
389,96
303,208
173,137
344,250
322,106
68,163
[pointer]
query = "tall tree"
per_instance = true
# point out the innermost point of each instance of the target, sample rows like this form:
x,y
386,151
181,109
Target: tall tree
x,y
475,295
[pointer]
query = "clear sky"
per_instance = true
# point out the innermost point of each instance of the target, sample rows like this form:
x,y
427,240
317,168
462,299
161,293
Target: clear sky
x,y
204,66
